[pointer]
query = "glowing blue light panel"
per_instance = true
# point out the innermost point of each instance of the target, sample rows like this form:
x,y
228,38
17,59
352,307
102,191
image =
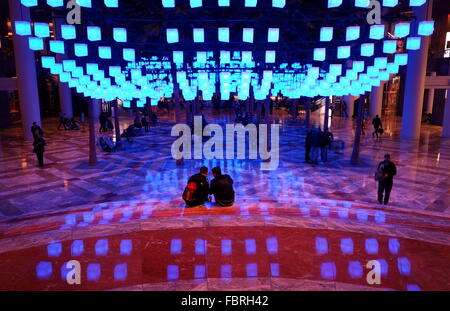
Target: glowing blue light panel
x,y
85,3
81,49
334,3
389,46
69,65
270,57
343,52
413,43
336,69
390,3
225,57
417,2
104,52
196,3
172,35
401,59
224,2
426,28
114,71
402,30
129,55
47,61
380,62
326,33
246,57
367,49
199,35
377,32
273,35
247,35
112,3
178,57
29,3
168,3
57,46
251,3
120,34
319,54
44,269
279,3
68,32
42,30
22,28
224,34
353,33
201,57
94,33
362,3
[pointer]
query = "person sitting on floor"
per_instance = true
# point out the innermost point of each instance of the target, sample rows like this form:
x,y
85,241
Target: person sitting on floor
x,y
222,188
197,189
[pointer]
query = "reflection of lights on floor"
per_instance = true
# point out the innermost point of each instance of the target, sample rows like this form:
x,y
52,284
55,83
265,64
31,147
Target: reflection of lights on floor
x,y
371,246
250,246
321,246
93,272
54,250
347,246
226,247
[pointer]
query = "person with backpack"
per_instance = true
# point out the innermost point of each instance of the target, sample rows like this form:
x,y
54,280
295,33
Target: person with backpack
x,y
39,148
385,176
222,188
197,189
376,122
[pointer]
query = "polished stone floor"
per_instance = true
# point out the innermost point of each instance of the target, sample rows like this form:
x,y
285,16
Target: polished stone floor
x,y
300,227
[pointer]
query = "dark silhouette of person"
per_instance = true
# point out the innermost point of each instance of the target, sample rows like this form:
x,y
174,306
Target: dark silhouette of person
x,y
201,192
222,188
376,125
36,130
145,123
39,148
388,170
308,145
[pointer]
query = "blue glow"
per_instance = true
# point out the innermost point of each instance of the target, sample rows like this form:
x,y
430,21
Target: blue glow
x,y
278,3
404,266
426,28
104,52
250,246
224,34
417,2
126,247
392,68
328,270
201,57
93,272
101,247
380,62
394,246
85,3
353,33
22,28
226,247
91,68
367,49
413,43
55,3
377,32
270,57
413,288
48,62
68,32
272,245
343,213
402,30
200,247
389,46
273,35
343,52
94,33
326,33
362,3
275,269
81,49
334,3
172,272
226,272
247,35
176,246
251,3
129,55
252,270
390,3
120,34
29,3
321,246
380,216
120,272
225,57
224,2
54,249
168,3
36,44
347,246
336,69
196,3
199,271
112,3
355,269
383,267
56,69
319,54
199,35
178,57
44,270
246,57
77,248
64,77
69,64
371,246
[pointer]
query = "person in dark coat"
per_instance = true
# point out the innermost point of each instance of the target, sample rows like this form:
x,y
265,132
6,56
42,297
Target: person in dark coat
x,y
308,145
145,123
388,170
202,187
324,143
376,122
222,188
39,148
36,130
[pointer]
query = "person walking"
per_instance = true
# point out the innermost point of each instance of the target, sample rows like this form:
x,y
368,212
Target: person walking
x,y
62,121
39,148
222,188
385,176
376,122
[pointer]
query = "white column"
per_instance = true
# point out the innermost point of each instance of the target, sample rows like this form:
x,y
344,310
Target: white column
x,y
415,78
446,120
430,99
376,100
26,72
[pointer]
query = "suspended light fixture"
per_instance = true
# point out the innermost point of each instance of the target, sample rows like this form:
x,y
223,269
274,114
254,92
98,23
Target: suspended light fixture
x,y
68,32
42,30
247,35
326,33
224,34
94,33
199,35
172,35
22,28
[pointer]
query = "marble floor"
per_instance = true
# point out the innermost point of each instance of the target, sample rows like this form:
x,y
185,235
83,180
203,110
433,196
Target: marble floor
x,y
300,227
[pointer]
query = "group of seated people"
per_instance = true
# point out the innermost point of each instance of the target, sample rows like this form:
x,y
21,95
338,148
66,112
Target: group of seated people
x,y
105,123
199,190
139,124
68,123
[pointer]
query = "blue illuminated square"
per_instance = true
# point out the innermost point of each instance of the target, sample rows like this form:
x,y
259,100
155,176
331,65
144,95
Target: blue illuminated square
x,y
355,269
42,30
120,272
320,54
270,57
377,32
251,3
94,33
224,34
334,3
201,57
326,33
380,62
279,3
172,272
129,55
401,59
112,3
343,52
68,32
336,69
77,248
104,52
199,35
246,57
417,2
77,72
252,270
172,35
101,247
47,61
93,272
44,270
199,271
404,266
178,57
29,3
273,35
367,49
22,28
353,33
73,83
64,77
362,3
168,3
56,69
358,66
57,46
389,46
81,49
390,3
426,28
196,3
224,3
328,270
54,249
247,35
120,34
384,76
413,43
36,44
226,272
85,3
69,65
392,68
225,57
402,30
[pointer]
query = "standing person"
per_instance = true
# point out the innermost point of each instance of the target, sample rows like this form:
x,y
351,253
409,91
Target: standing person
x,y
39,149
62,121
222,188
315,146
376,125
325,141
198,186
145,123
385,176
308,146
36,130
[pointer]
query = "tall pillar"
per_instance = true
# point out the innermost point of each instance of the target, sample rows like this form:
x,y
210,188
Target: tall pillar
x,y
308,112
357,142
430,99
92,137
326,118
65,93
117,123
96,108
446,120
415,78
349,102
26,72
376,100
